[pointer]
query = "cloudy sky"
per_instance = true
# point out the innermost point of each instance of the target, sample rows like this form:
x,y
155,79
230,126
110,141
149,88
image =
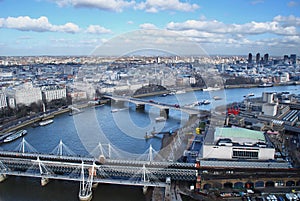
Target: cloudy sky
x,y
77,27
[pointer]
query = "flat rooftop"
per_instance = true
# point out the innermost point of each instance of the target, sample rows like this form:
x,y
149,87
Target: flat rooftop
x,y
237,134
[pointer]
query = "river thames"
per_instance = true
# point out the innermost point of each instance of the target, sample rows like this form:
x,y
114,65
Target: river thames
x,y
124,130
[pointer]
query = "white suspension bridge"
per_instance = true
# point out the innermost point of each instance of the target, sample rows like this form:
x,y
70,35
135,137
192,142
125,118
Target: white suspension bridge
x,y
62,164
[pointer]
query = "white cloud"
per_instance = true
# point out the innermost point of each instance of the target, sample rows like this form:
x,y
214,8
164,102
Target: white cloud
x,y
251,28
25,23
2,22
157,5
68,27
257,2
147,26
215,35
292,4
111,5
130,22
118,5
287,20
96,29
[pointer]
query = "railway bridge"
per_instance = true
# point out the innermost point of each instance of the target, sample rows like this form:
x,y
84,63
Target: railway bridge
x,y
251,182
90,172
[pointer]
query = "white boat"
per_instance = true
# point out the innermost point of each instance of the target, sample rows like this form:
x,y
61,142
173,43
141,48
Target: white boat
x,y
211,89
205,102
15,136
217,98
160,119
249,95
266,85
44,123
5,136
114,110
117,110
180,92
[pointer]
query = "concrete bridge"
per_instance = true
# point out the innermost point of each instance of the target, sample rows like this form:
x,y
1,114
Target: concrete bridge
x,y
164,107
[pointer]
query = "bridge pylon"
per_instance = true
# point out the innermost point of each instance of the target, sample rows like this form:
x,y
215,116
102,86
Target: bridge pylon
x,y
164,112
44,172
150,153
145,180
24,146
85,190
61,149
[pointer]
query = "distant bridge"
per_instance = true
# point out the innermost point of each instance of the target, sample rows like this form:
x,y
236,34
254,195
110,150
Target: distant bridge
x,y
164,107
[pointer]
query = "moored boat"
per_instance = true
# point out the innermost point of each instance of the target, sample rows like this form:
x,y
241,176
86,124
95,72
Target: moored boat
x,y
2,137
266,85
211,89
15,135
180,92
44,123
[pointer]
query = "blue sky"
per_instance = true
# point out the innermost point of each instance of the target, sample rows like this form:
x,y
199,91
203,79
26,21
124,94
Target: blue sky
x,y
77,27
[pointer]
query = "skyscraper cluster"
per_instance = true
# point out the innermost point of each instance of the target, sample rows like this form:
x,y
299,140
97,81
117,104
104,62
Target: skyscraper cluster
x,y
258,59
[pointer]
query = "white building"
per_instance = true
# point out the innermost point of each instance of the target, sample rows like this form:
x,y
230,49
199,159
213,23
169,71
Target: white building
x,y
268,97
53,93
269,109
3,100
285,77
27,94
237,143
11,102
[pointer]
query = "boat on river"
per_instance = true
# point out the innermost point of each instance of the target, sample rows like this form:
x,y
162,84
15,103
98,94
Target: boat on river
x,y
159,119
3,136
211,89
217,98
45,123
204,102
118,110
15,135
266,85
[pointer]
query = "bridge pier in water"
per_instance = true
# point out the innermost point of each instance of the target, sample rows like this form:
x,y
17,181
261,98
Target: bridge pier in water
x,y
2,177
118,103
168,196
140,107
43,171
164,113
85,190
191,116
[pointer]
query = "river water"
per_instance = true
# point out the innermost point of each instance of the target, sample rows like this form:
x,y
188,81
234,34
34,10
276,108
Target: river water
x,y
124,130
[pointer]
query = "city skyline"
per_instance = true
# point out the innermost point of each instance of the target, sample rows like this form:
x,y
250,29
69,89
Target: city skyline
x,y
77,27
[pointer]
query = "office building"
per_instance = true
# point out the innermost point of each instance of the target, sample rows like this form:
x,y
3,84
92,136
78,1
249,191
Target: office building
x,y
27,94
250,58
53,93
257,58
